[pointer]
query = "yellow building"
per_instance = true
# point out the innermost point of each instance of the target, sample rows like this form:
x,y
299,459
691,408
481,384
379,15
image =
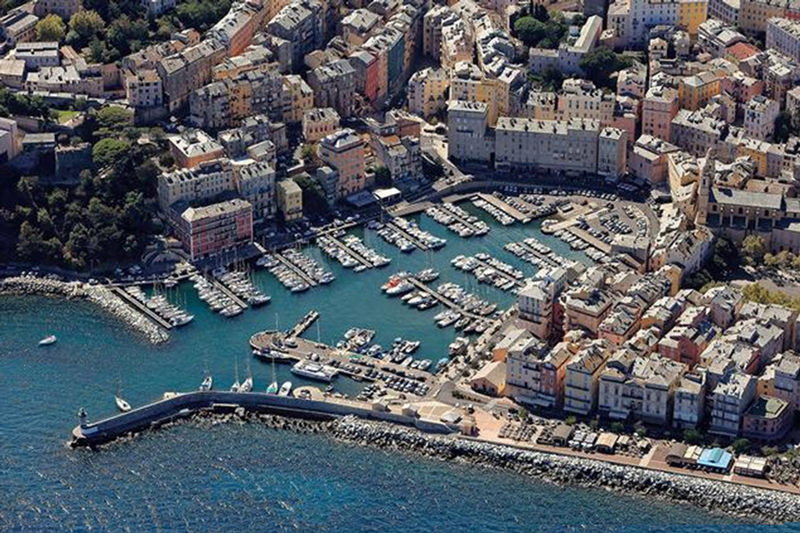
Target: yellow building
x,y
290,200
691,14
298,97
757,151
695,91
468,84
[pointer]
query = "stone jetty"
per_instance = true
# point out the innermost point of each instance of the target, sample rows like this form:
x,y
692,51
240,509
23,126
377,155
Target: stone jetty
x,y
96,294
730,498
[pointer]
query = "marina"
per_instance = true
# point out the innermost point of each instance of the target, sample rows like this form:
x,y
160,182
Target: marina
x,y
412,233
487,269
351,252
458,220
534,252
141,308
499,214
161,306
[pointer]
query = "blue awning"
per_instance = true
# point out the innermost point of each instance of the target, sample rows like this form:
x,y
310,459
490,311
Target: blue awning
x,y
715,458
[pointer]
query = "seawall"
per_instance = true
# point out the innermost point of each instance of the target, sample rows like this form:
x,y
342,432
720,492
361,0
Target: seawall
x,y
718,496
96,294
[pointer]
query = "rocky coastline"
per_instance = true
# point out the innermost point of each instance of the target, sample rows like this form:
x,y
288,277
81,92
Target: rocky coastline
x,y
720,497
96,294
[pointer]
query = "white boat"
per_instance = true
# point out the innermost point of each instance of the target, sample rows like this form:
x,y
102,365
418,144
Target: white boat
x,y
122,405
47,341
316,371
286,388
236,386
247,386
207,384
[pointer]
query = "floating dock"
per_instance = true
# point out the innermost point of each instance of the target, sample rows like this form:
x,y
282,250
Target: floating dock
x,y
358,257
413,240
511,211
311,282
505,275
303,325
227,292
546,258
140,307
444,300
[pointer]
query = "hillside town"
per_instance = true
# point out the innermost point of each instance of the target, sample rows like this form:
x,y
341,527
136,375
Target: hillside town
x,y
660,138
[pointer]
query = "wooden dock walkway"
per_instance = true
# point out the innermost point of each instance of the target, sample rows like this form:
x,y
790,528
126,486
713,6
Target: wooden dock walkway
x,y
590,239
416,242
510,210
227,292
294,268
304,324
546,258
358,257
505,275
139,306
444,300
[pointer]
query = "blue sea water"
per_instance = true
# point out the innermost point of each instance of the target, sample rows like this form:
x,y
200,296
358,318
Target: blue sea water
x,y
249,477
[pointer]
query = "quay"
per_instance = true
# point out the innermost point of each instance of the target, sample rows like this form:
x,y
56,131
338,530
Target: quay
x,y
413,240
185,405
571,219
139,306
227,292
303,325
267,341
445,301
590,239
294,268
511,211
352,253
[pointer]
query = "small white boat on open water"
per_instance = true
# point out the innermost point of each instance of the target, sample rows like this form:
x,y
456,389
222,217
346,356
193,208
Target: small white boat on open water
x,y
122,405
47,341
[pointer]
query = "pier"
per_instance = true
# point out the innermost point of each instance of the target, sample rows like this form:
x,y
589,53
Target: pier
x,y
505,275
185,405
139,306
303,325
444,300
413,240
461,219
227,292
590,239
511,211
546,258
297,270
358,257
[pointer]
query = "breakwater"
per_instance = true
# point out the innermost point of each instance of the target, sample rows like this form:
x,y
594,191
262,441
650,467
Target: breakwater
x,y
95,294
718,496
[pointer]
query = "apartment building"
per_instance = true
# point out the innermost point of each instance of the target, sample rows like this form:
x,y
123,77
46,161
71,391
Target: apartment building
x,y
301,24
729,401
193,147
290,200
783,35
143,89
467,124
696,91
63,8
659,107
689,402
334,85
38,54
759,117
401,155
358,26
189,185
755,14
319,122
344,152
724,10
580,98
235,30
649,158
582,376
781,379
426,92
696,132
536,377
298,98
469,84
217,228
188,70
640,387
18,26
255,182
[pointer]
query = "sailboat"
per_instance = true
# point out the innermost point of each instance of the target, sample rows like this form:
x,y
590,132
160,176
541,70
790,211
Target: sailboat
x,y
273,386
47,341
207,384
247,385
122,405
236,385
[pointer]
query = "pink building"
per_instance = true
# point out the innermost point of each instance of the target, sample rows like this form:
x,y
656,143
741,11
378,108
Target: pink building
x,y
225,226
658,109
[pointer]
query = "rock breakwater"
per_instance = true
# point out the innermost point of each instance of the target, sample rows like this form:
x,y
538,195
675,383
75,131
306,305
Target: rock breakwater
x,y
96,294
730,498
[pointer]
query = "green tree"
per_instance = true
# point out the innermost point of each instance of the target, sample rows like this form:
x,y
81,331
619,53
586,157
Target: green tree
x,y
84,26
50,28
314,201
617,427
112,120
552,78
383,177
786,125
30,243
599,63
109,151
571,420
754,247
692,436
529,30
741,446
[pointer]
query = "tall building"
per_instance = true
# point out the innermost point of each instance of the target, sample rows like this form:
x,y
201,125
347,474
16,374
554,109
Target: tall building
x,y
344,151
216,228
